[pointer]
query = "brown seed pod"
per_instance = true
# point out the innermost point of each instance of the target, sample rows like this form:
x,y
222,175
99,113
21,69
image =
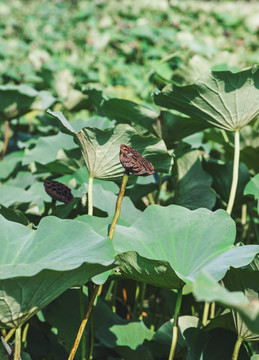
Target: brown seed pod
x,y
58,191
134,163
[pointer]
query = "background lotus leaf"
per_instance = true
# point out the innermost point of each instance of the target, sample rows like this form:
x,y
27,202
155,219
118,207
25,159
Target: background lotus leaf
x,y
17,100
225,99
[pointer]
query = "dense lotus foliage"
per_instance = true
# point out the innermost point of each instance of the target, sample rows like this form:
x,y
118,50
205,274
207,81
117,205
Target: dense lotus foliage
x,y
160,266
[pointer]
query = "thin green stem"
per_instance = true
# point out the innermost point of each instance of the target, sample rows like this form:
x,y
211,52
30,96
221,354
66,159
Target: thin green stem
x,y
136,302
82,312
224,134
237,348
114,296
91,348
159,188
141,301
205,313
53,207
17,349
235,173
151,199
6,139
175,327
90,195
212,310
118,205
24,334
108,293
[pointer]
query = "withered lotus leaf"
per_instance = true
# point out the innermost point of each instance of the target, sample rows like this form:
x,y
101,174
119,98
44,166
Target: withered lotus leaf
x,y
58,191
134,163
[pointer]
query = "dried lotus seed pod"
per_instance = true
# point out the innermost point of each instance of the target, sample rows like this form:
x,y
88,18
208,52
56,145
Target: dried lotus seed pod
x,y
134,163
58,191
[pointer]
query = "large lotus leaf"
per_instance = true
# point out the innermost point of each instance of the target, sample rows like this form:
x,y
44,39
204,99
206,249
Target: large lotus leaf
x,y
176,127
13,215
167,245
193,186
67,162
206,288
38,265
46,148
34,196
252,188
9,163
101,148
129,112
225,99
17,100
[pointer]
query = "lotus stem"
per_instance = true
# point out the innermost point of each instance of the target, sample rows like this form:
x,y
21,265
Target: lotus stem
x,y
6,139
205,313
142,296
159,188
9,335
91,350
53,206
118,205
212,310
24,333
175,327
84,322
235,173
111,232
237,348
137,291
17,350
82,312
90,196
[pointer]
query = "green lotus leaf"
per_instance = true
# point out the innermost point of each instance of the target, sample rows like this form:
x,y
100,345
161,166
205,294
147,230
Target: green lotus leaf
x,y
129,112
252,188
167,246
17,100
9,163
224,99
193,186
15,196
126,337
101,148
38,265
176,127
14,215
47,148
247,281
206,288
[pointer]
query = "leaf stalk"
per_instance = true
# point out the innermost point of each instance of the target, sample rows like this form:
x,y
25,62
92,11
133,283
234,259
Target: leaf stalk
x,y
235,173
90,196
237,348
17,350
175,327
